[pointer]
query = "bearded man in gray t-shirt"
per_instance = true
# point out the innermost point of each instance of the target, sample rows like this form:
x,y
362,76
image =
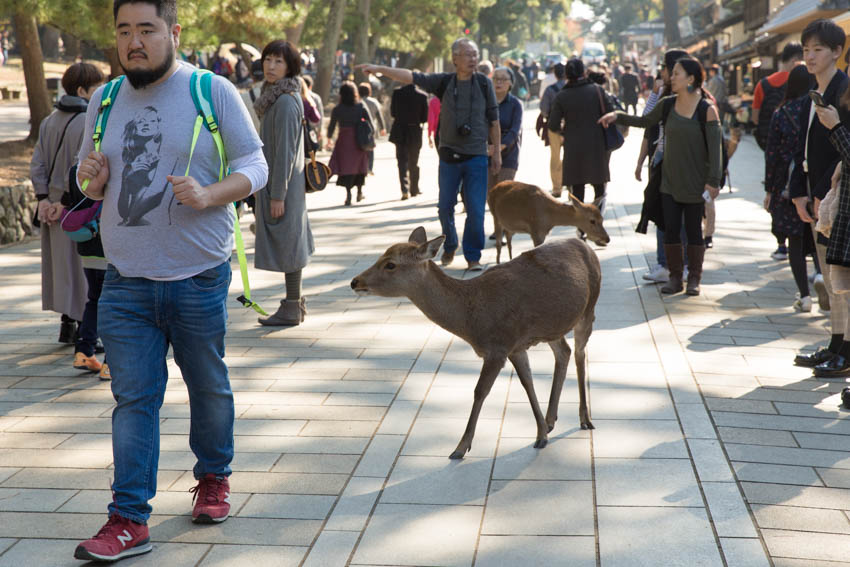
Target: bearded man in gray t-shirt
x,y
167,230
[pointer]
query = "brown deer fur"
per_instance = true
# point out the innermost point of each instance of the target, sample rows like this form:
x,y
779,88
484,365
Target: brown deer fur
x,y
538,297
520,207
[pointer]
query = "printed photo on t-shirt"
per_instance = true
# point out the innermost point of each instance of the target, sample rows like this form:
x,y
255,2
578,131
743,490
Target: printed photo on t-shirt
x,y
142,157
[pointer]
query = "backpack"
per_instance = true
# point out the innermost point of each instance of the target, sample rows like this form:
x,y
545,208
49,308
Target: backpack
x,y
772,97
200,87
702,116
81,219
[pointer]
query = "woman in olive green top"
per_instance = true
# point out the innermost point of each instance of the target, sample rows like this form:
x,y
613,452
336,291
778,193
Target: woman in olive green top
x,y
690,172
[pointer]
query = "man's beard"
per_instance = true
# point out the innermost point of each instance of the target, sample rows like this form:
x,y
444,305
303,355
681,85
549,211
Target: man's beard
x,y
142,78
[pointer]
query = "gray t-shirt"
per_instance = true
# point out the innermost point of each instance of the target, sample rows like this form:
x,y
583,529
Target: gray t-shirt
x,y
463,102
145,231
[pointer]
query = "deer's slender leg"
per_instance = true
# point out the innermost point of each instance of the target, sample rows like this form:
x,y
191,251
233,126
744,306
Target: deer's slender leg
x,y
498,231
523,370
582,334
489,372
538,238
509,237
561,350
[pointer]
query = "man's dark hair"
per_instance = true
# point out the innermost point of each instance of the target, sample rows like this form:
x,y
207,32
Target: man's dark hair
x,y
826,32
364,89
308,80
575,70
560,71
282,48
627,67
81,75
348,93
165,9
597,77
673,55
792,50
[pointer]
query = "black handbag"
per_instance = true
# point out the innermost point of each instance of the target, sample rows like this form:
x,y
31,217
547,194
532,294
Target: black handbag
x,y
614,139
364,134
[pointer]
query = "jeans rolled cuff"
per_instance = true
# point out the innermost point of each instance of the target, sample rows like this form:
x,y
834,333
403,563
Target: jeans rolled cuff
x,y
132,517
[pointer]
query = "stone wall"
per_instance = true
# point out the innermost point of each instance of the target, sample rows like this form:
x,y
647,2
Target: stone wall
x,y
17,206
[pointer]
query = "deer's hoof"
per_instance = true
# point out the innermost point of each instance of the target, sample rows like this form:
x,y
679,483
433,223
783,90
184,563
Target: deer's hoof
x,y
550,426
587,425
540,443
458,454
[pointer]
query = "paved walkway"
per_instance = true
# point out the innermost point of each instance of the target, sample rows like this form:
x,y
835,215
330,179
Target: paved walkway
x,y
14,120
710,448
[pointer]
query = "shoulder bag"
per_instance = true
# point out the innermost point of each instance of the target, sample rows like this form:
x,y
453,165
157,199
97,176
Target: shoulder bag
x,y
613,138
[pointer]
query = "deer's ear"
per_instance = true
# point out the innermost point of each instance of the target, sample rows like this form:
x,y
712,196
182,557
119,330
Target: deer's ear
x,y
418,236
429,249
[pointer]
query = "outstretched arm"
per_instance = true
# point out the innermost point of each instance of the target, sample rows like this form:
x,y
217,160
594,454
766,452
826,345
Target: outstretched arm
x,y
401,75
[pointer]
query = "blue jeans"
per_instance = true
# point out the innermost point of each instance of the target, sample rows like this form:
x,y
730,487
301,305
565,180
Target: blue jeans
x,y
138,319
473,174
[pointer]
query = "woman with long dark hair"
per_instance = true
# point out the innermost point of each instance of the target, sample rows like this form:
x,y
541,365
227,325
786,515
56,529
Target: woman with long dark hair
x,y
348,162
782,141
284,240
690,170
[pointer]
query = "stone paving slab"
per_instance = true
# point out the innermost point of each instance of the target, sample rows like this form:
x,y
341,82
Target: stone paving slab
x,y
709,448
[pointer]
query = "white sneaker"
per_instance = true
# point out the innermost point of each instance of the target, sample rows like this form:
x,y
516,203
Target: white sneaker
x,y
802,304
820,289
658,274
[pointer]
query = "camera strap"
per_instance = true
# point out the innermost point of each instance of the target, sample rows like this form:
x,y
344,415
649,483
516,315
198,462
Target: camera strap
x,y
472,80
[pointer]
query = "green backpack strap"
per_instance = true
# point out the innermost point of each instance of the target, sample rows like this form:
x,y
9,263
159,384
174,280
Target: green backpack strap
x,y
201,89
107,97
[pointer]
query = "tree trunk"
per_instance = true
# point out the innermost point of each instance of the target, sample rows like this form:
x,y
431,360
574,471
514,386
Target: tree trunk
x,y
361,38
111,55
671,23
327,52
435,45
26,33
293,33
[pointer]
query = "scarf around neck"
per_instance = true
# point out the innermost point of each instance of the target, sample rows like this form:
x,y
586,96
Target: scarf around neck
x,y
271,91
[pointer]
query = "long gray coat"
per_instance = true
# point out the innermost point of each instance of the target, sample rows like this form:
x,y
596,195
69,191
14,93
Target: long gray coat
x,y
283,244
575,112
63,284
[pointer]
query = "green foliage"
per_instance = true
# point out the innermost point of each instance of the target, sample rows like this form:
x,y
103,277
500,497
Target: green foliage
x,y
510,23
620,14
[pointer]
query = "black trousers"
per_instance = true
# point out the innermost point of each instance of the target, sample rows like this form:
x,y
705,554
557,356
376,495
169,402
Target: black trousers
x,y
408,166
578,191
674,212
87,334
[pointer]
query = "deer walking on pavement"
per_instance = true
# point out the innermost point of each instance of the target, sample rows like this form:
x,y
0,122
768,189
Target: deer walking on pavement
x,y
538,297
520,207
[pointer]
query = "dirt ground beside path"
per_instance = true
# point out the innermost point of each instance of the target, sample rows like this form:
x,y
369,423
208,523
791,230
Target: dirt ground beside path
x,y
15,161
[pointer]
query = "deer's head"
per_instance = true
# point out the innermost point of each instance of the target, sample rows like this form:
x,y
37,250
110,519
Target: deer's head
x,y
401,267
588,219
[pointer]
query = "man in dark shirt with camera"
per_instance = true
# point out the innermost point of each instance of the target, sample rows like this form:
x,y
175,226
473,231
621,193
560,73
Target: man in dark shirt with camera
x,y
469,118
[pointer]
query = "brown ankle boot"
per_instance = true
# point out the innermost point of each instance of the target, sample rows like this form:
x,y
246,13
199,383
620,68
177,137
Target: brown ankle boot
x,y
288,314
696,254
676,265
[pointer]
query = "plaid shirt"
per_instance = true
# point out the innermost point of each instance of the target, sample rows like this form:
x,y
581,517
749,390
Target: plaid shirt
x,y
838,251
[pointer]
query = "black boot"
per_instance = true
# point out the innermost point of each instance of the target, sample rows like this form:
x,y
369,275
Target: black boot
x,y
360,196
348,196
696,254
68,331
676,265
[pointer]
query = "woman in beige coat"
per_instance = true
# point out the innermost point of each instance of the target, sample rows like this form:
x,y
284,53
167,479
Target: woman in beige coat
x,y
63,285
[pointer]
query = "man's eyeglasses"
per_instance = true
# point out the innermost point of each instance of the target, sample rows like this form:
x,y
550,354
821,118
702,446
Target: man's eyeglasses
x,y
501,80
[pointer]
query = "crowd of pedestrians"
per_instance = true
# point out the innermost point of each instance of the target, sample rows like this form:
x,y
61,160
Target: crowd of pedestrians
x,y
166,214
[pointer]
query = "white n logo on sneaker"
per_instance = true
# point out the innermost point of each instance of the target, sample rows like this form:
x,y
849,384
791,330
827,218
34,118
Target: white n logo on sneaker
x,y
227,497
125,538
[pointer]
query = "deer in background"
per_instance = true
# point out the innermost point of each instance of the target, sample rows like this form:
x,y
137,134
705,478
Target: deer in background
x,y
538,297
520,207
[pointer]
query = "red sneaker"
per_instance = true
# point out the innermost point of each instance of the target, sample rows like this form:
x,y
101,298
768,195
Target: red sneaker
x,y
212,500
119,538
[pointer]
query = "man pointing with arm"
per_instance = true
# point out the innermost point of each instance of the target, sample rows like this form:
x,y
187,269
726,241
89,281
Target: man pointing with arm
x,y
469,119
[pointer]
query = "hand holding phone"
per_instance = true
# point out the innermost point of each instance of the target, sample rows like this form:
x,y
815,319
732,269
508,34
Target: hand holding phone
x,y
817,98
